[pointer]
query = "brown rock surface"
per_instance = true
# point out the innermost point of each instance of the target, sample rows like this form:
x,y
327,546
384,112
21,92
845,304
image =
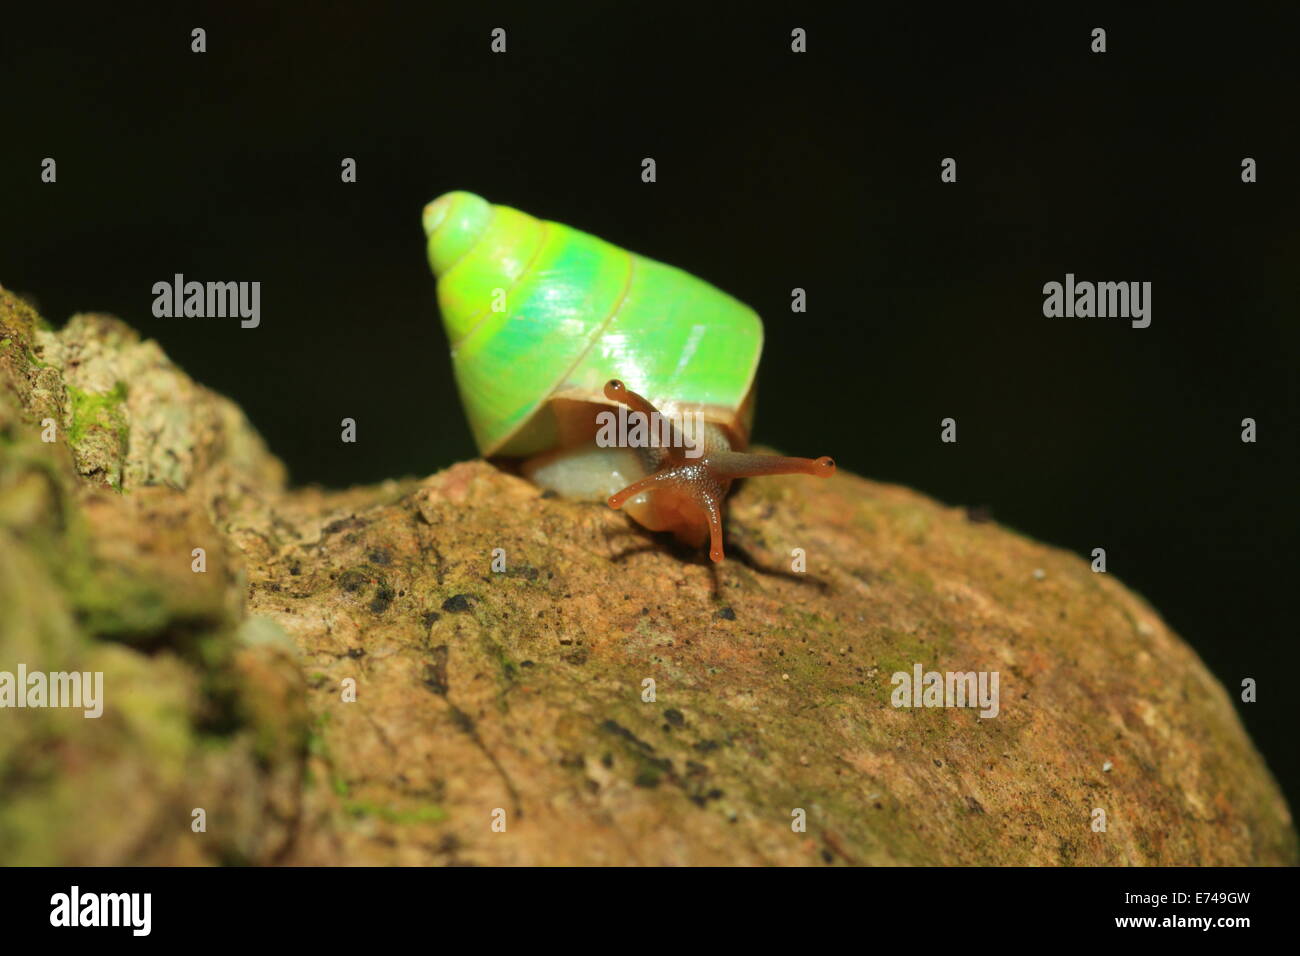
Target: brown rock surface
x,y
521,693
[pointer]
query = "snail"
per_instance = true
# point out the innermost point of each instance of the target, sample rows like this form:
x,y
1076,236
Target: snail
x,y
551,328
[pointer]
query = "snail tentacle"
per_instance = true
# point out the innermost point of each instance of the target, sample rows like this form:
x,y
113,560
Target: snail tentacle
x,y
648,483
675,451
703,483
738,464
713,512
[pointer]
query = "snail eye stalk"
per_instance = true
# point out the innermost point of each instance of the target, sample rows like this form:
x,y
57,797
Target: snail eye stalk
x,y
706,480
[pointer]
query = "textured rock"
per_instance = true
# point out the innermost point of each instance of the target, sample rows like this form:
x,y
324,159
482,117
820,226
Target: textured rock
x,y
197,714
522,692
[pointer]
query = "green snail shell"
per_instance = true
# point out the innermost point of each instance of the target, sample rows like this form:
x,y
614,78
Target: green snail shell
x,y
578,312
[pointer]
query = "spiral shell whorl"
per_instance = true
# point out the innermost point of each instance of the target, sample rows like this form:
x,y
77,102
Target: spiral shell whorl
x,y
579,311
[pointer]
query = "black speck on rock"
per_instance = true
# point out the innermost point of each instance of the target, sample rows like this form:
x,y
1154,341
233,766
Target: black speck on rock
x,y
726,614
356,652
429,617
577,657
614,727
352,521
674,717
353,580
462,721
457,603
383,598
435,677
647,777
449,843
380,556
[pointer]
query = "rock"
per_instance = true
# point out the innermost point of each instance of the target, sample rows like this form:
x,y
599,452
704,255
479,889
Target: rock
x,y
97,531
520,696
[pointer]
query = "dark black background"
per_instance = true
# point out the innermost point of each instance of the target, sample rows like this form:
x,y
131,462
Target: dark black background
x,y
775,171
